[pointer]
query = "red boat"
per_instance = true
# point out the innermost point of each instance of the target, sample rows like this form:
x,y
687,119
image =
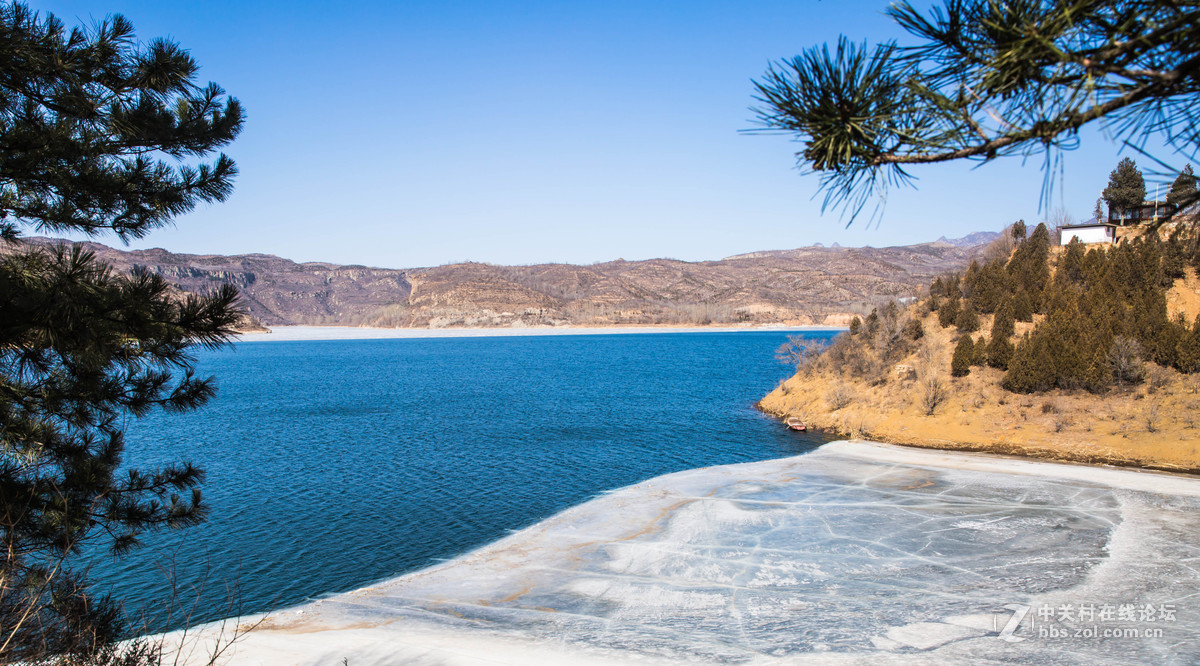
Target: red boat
x,y
796,424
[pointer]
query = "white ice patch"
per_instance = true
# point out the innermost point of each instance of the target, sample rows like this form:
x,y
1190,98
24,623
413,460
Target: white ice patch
x,y
830,556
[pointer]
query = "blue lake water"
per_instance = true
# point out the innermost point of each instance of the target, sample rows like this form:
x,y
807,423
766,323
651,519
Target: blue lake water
x,y
334,464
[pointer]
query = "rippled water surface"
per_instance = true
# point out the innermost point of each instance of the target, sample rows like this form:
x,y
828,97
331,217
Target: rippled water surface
x,y
334,464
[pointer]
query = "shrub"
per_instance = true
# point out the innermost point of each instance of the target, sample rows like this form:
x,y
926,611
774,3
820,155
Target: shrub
x,y
1125,360
933,393
839,396
1157,378
913,329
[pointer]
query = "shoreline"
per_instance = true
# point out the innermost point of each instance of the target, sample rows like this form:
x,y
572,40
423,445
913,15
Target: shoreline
x,y
1019,453
1075,428
300,333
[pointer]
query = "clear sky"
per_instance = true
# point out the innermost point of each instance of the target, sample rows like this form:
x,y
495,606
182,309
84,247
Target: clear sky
x,y
405,134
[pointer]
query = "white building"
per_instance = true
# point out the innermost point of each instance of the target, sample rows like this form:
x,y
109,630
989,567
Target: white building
x,y
1091,232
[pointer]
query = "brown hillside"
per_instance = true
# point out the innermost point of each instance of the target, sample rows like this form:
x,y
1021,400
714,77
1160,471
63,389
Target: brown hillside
x,y
813,285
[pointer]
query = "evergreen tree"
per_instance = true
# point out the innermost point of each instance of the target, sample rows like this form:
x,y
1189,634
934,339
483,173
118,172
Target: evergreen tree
x,y
1022,306
1175,256
999,353
1126,188
949,311
979,354
1029,270
993,287
1188,354
1070,264
96,133
967,321
967,285
855,326
1183,190
1018,230
1000,349
960,363
1031,367
985,285
937,288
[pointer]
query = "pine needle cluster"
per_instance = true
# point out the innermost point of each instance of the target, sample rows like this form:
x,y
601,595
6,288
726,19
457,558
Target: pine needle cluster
x,y
979,80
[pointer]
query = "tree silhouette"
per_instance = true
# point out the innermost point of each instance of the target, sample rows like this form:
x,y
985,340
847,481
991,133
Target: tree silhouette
x,y
96,133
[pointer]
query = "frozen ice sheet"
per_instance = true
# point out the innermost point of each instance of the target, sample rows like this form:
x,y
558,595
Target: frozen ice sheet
x,y
855,553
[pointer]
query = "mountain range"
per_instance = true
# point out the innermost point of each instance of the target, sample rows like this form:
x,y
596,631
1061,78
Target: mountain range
x,y
808,285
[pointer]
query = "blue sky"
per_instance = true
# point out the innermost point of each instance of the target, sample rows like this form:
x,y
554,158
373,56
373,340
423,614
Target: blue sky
x,y
404,134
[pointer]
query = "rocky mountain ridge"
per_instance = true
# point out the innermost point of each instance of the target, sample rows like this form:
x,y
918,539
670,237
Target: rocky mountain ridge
x,y
809,285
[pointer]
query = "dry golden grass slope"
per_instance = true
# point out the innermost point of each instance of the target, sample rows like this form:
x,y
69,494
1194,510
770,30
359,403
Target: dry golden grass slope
x,y
1155,424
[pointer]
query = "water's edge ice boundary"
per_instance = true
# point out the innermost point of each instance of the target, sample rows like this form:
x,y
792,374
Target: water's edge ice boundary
x,y
653,570
305,333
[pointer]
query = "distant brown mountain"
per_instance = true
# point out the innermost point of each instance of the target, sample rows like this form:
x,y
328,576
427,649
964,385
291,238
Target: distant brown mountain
x,y
810,285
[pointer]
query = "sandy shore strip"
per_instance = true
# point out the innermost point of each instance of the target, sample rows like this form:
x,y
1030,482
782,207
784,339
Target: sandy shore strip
x,y
855,553
294,333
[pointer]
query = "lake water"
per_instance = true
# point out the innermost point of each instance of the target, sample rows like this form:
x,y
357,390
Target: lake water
x,y
334,464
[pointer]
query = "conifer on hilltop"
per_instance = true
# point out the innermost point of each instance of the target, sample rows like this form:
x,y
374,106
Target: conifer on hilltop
x,y
1183,189
97,135
1126,188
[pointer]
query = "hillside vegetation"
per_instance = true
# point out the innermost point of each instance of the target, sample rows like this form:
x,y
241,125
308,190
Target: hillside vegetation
x,y
1076,353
